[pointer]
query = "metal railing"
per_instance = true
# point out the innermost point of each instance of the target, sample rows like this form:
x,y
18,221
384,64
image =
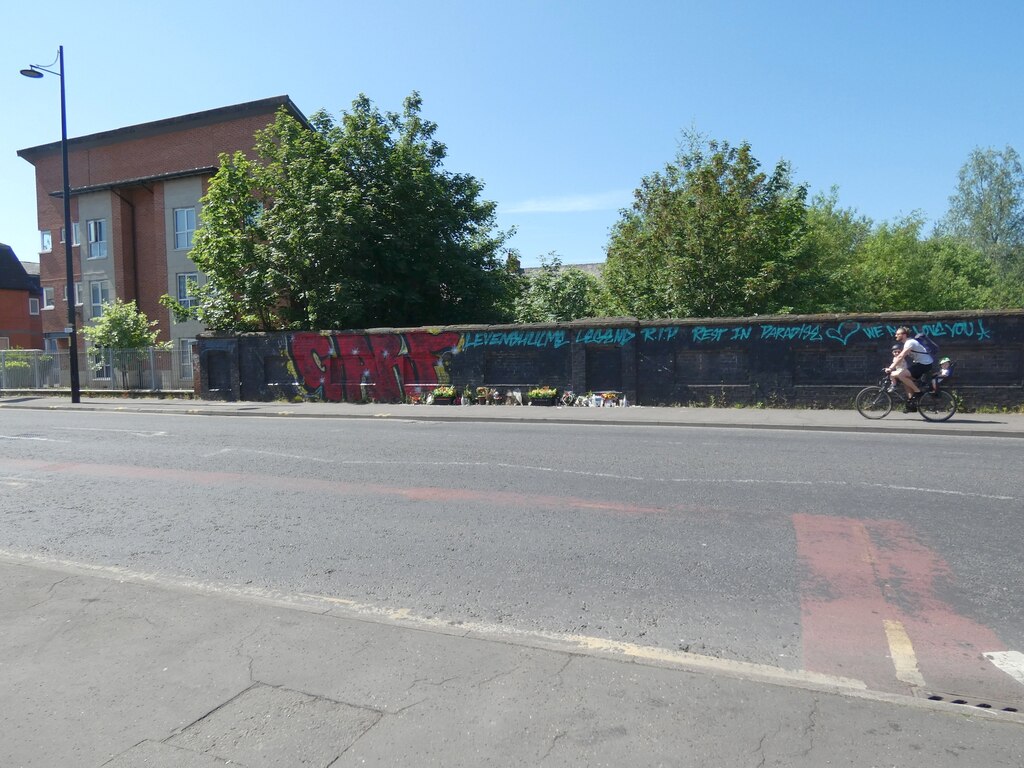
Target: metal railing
x,y
149,369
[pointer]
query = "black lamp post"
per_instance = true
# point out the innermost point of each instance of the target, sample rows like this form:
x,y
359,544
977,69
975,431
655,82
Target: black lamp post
x,y
36,71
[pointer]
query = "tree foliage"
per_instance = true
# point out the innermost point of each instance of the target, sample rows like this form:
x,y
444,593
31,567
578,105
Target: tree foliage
x,y
896,270
556,292
347,224
987,209
121,326
711,235
835,237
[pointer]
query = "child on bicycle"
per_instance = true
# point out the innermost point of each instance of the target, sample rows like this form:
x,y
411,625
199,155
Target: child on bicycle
x,y
894,368
911,363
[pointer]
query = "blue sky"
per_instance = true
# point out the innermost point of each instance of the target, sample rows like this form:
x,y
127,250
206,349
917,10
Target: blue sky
x,y
560,108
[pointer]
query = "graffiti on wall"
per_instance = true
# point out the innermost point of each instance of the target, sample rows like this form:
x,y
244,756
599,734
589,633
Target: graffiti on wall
x,y
839,333
386,367
842,333
548,339
352,367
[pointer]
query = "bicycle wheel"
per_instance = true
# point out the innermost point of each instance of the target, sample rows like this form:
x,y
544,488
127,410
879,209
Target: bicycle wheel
x,y
873,403
936,406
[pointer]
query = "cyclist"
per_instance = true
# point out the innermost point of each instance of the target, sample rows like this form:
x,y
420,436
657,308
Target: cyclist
x,y
910,364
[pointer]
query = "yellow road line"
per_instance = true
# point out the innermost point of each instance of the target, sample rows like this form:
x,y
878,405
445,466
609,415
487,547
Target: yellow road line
x,y
902,652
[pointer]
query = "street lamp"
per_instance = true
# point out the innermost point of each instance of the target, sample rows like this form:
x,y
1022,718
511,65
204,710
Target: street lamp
x,y
35,71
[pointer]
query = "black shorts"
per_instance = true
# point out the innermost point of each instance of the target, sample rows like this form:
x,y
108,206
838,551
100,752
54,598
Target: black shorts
x,y
917,370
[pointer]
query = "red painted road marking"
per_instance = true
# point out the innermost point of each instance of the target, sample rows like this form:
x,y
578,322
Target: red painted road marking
x,y
950,647
843,609
861,574
438,494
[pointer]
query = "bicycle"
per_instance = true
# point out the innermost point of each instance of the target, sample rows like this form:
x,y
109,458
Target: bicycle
x,y
934,404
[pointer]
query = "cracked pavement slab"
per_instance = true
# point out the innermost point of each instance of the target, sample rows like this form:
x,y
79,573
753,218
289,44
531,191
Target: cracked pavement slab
x,y
265,727
129,670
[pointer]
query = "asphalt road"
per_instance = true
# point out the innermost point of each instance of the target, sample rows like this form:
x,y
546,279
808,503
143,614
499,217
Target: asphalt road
x,y
886,558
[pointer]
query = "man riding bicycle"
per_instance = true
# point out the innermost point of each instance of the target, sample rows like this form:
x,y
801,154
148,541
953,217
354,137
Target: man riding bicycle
x,y
909,365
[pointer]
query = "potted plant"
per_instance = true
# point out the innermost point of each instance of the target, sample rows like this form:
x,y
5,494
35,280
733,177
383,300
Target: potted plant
x,y
443,394
542,395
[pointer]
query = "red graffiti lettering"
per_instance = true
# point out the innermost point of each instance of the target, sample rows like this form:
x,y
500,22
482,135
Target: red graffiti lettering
x,y
350,367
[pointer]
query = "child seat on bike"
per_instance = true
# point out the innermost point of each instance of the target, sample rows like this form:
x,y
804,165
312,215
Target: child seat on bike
x,y
945,371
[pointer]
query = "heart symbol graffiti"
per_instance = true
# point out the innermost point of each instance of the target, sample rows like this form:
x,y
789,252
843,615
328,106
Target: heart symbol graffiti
x,y
843,332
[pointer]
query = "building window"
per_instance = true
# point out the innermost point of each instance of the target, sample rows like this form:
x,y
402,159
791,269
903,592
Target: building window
x,y
252,219
97,232
48,298
33,306
184,227
185,348
78,294
74,233
5,342
45,241
185,297
99,291
101,363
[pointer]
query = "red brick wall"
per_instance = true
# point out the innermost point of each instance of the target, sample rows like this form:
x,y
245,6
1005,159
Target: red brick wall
x,y
152,258
16,324
141,275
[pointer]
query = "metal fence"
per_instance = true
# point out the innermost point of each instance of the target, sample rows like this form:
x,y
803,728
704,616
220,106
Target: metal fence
x,y
148,369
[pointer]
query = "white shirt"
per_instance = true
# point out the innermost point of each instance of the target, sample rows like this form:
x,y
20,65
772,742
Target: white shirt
x,y
917,354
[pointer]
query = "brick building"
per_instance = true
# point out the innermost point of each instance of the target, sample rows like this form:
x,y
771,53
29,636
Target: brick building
x,y
135,205
20,304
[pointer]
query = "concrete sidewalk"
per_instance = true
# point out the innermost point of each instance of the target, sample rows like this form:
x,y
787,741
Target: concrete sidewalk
x,y
103,667
995,425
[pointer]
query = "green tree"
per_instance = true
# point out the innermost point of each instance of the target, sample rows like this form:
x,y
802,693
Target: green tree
x,y
834,239
121,328
898,271
348,224
987,209
557,292
711,235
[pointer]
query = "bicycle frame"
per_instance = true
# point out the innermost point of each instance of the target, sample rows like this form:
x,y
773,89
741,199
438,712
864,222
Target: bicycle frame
x,y
934,404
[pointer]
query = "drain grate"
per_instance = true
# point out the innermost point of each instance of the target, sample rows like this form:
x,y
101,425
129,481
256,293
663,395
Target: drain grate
x,y
966,701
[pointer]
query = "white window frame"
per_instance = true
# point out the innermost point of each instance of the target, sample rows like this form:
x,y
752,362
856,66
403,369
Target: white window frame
x,y
185,348
48,297
78,294
74,233
185,298
33,305
97,234
45,241
184,228
102,371
99,294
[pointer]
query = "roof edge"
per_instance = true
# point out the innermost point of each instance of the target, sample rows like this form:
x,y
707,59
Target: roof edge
x,y
166,125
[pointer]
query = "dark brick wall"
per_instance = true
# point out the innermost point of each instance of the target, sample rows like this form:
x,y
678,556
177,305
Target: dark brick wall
x,y
807,360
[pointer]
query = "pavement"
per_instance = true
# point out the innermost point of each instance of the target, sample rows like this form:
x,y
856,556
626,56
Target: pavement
x,y
103,666
979,424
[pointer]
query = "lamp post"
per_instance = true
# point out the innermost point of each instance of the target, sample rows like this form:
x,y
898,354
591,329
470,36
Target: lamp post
x,y
35,71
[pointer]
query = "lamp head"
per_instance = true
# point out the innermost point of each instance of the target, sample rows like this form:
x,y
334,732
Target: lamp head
x,y
32,72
